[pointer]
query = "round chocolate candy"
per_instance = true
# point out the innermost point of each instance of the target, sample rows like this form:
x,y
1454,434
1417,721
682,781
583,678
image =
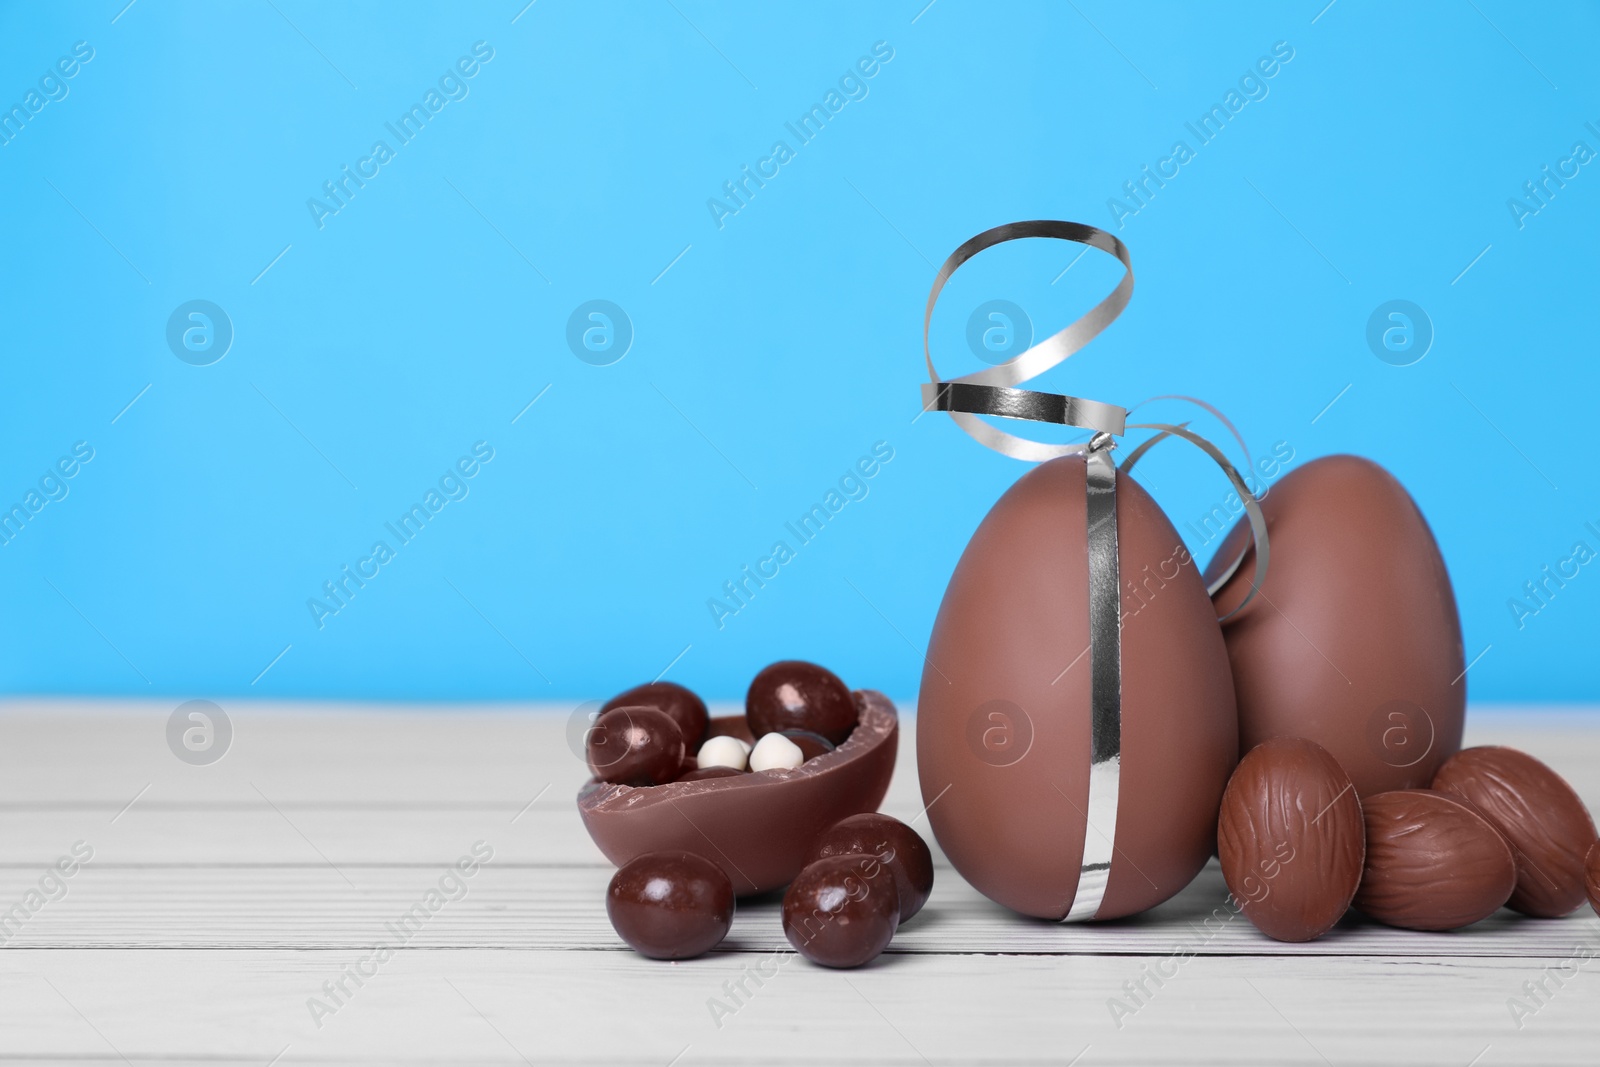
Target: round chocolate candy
x,y
1433,863
701,774
1291,839
1539,815
890,840
811,744
795,695
683,705
635,746
670,905
841,911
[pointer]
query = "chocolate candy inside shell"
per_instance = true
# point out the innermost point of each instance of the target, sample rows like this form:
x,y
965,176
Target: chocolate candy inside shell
x,y
635,746
811,744
795,695
683,705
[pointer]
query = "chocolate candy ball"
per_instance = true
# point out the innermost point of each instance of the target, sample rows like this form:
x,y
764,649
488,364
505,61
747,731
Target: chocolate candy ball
x,y
794,695
841,911
670,905
891,841
635,746
811,744
685,708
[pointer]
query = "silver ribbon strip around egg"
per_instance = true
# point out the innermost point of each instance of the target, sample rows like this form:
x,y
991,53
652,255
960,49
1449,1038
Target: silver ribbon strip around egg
x,y
993,391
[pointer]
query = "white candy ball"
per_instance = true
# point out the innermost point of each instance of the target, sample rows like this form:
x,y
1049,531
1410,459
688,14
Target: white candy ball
x,y
775,751
723,752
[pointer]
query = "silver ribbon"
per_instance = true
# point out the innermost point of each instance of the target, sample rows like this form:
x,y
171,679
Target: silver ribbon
x,y
993,392
1105,681
1258,521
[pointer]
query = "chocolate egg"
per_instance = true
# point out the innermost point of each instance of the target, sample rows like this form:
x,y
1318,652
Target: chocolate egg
x,y
758,827
1591,877
1004,732
1354,641
1291,839
1433,863
1537,812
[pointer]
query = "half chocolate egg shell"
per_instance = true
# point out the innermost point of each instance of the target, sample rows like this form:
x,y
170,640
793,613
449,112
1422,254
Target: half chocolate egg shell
x,y
758,827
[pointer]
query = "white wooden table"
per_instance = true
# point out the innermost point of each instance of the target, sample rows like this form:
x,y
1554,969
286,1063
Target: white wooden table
x,y
221,899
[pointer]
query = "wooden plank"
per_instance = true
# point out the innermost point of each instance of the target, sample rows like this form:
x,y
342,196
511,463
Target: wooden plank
x,y
616,1008
541,907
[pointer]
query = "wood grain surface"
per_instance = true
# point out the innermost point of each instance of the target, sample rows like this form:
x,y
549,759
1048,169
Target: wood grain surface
x,y
230,913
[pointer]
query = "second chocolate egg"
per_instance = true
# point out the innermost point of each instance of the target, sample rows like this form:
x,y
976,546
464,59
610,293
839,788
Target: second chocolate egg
x,y
1354,641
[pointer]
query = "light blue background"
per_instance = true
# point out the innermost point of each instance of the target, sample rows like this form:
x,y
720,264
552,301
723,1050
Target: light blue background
x,y
426,314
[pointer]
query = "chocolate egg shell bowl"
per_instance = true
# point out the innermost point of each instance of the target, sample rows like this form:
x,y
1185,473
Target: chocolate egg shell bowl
x,y
757,826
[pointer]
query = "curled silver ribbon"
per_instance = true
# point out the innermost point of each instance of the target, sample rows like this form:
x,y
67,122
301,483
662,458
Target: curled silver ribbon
x,y
993,392
1258,521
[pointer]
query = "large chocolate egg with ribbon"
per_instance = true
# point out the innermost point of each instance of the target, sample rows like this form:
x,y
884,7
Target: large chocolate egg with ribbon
x,y
1076,724
1354,641
1031,808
